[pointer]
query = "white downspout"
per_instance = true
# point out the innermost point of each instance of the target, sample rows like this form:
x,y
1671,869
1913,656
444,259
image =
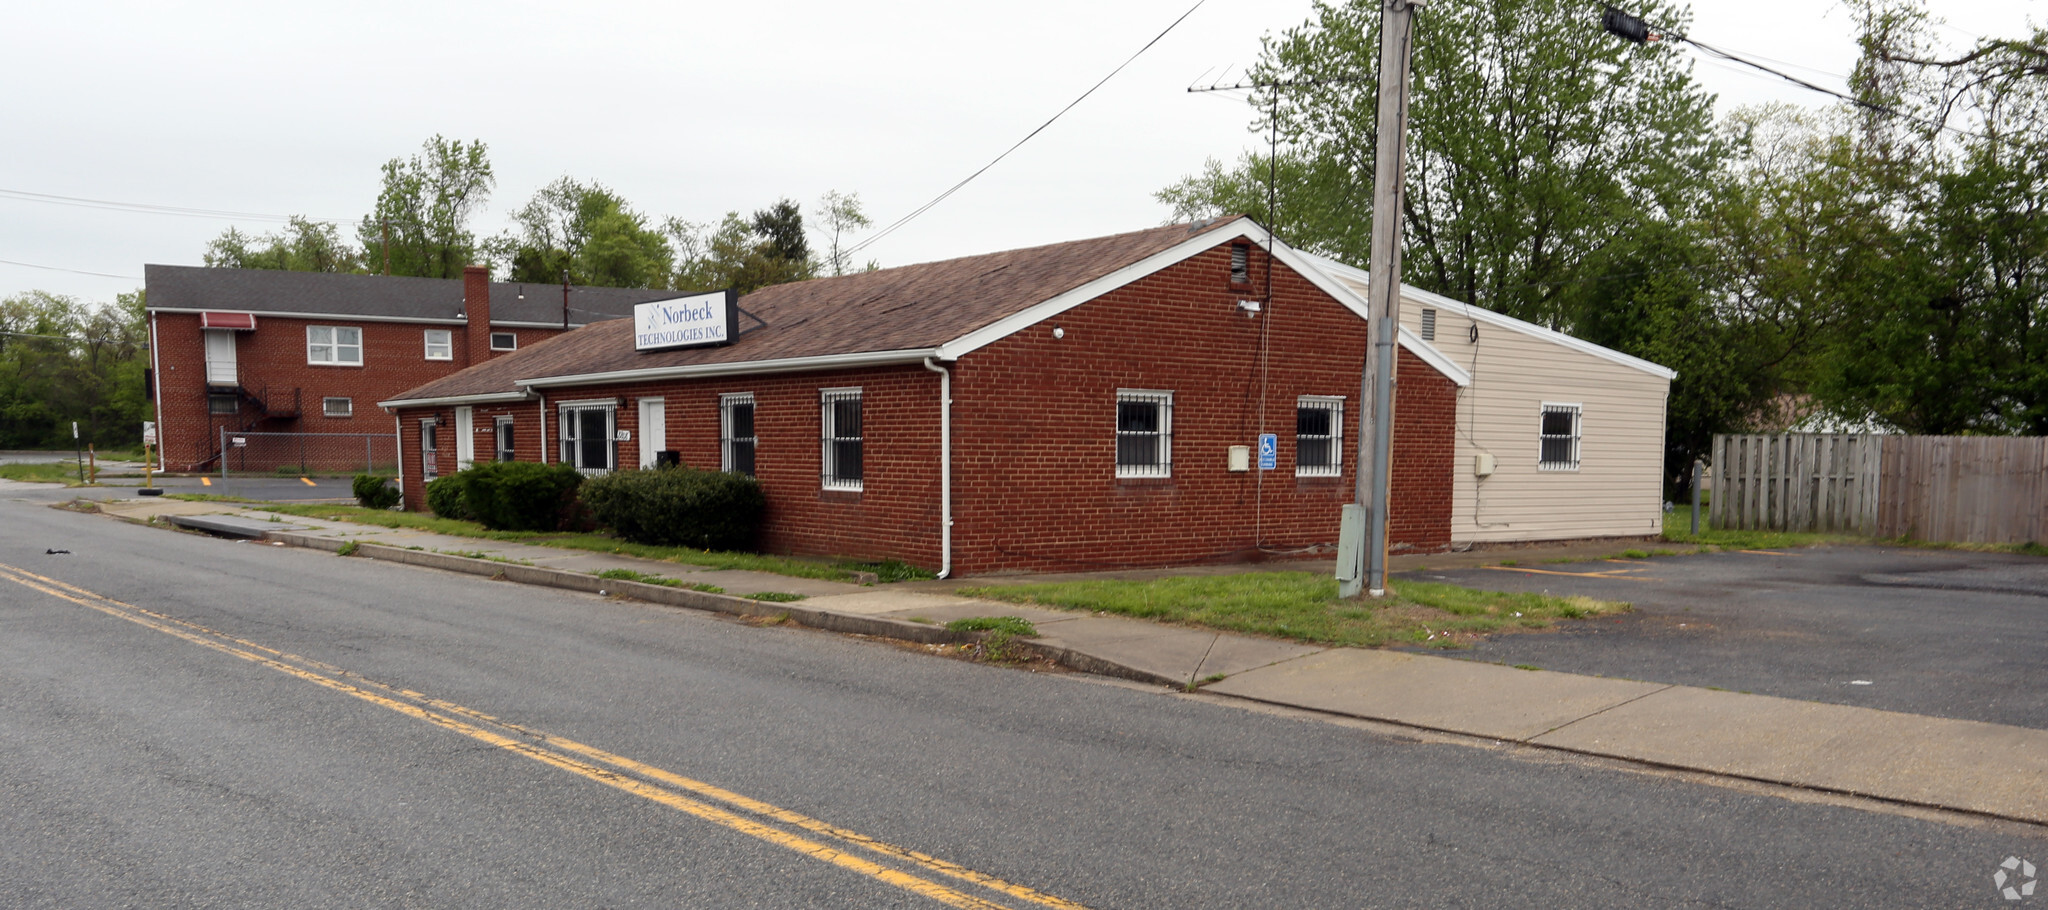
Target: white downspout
x,y
398,426
945,466
543,428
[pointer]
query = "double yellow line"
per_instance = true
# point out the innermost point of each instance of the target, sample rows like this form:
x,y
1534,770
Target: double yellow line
x,y
823,841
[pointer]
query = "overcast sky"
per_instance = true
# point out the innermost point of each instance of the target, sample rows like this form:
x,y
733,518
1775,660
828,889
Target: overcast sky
x,y
687,109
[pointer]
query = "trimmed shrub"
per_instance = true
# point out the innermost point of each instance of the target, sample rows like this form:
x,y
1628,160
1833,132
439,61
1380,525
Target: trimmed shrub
x,y
448,496
521,495
679,507
374,492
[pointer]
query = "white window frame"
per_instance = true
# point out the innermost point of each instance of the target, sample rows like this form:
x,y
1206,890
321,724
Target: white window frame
x,y
1335,405
430,448
511,344
347,408
334,350
832,436
1162,465
1572,440
503,443
440,344
727,441
569,438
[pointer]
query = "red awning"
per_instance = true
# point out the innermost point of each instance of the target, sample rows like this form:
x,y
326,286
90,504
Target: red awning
x,y
243,322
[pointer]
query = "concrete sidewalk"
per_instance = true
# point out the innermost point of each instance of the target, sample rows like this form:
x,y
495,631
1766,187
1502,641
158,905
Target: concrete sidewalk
x,y
1966,766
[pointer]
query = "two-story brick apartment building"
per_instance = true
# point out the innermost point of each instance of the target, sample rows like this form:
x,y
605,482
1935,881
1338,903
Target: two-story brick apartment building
x,y
248,350
1093,403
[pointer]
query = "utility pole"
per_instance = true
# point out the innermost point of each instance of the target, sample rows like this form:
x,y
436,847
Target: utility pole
x,y
1368,568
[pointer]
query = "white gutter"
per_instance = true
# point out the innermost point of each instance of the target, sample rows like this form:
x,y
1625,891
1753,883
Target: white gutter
x,y
351,317
752,367
483,398
945,466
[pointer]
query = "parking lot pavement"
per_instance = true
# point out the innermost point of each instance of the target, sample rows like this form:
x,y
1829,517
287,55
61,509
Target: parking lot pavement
x,y
1938,632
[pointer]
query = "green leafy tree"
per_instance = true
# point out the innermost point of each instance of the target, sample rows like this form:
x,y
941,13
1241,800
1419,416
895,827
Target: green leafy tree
x,y
1534,140
420,225
839,216
587,230
743,254
62,360
302,246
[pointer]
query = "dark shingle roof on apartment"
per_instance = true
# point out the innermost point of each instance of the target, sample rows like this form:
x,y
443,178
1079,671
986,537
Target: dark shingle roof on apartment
x,y
912,307
259,291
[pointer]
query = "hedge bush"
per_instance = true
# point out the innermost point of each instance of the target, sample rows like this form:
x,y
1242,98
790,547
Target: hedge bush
x,y
520,495
679,507
375,492
448,496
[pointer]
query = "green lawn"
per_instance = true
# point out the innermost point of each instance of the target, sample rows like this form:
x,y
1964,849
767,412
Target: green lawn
x,y
41,472
828,570
1304,606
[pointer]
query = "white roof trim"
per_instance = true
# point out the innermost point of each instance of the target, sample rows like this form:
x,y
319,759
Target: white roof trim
x,y
486,398
338,317
694,370
1435,358
1481,314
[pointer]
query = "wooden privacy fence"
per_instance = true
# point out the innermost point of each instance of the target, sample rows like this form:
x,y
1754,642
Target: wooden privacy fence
x,y
1797,482
1966,489
1959,489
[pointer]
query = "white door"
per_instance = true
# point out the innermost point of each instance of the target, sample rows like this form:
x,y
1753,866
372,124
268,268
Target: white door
x,y
220,357
653,429
465,439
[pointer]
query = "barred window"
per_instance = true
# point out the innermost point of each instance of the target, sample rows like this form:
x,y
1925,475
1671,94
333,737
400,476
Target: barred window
x,y
1560,438
736,433
587,435
223,403
842,439
1318,436
337,407
502,433
1144,433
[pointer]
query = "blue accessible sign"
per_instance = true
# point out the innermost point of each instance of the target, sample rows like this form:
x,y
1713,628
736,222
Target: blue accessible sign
x,y
1269,451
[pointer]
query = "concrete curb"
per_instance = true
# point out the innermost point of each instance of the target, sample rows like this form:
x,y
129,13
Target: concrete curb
x,y
661,594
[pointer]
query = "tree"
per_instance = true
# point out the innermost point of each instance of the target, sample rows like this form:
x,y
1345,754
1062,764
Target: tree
x,y
420,225
1534,141
839,216
587,230
742,254
303,246
63,360
1949,312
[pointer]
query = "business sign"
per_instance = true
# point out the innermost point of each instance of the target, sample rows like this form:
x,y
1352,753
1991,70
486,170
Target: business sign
x,y
1269,451
686,322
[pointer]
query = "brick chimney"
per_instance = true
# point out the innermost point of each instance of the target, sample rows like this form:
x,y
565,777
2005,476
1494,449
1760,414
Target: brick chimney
x,y
476,306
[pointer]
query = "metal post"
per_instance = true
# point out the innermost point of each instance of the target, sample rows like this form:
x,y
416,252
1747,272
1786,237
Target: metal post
x,y
223,453
1375,449
1696,471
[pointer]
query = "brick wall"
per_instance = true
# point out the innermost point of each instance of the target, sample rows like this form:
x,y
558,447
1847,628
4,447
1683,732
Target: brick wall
x,y
1034,419
271,362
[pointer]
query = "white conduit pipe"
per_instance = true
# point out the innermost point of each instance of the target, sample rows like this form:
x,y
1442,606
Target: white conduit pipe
x,y
945,466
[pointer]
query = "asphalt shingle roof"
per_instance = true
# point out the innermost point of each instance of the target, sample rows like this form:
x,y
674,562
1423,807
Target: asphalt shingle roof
x,y
176,287
911,307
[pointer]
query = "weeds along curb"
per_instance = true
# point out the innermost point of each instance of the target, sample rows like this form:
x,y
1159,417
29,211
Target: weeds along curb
x,y
660,594
1089,663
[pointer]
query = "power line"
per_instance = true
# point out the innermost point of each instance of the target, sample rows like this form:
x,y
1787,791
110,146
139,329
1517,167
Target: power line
x,y
53,268
142,207
1020,143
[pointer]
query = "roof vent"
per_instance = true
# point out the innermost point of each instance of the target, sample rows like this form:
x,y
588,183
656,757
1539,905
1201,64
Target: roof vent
x,y
1428,324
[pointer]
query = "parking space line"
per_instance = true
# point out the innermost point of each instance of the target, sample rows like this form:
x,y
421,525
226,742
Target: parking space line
x,y
1609,574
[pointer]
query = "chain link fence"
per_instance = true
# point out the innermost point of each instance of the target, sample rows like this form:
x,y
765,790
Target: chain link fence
x,y
249,454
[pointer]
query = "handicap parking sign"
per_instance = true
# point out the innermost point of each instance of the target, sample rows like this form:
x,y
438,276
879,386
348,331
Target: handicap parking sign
x,y
1269,451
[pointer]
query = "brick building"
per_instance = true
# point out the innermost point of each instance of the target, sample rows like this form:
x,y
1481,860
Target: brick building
x,y
254,351
1097,403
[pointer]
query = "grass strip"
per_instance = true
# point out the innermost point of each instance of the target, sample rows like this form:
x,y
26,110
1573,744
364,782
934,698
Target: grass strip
x,y
1304,606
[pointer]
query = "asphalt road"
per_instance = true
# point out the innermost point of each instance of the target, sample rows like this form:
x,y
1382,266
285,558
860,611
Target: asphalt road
x,y
1940,632
284,727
